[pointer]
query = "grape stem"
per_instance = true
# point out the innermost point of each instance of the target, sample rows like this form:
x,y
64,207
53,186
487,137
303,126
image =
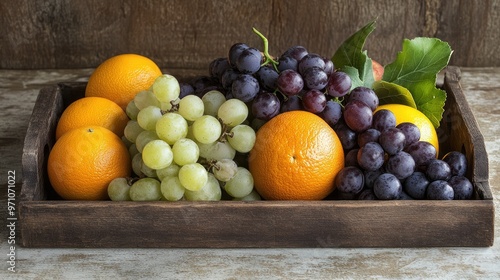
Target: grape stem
x,y
269,58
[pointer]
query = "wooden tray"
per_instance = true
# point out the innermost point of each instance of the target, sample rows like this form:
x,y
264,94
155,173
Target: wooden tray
x,y
48,222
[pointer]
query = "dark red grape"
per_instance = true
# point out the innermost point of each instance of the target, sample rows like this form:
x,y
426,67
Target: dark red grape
x,y
290,82
314,101
339,84
365,95
296,52
357,115
329,67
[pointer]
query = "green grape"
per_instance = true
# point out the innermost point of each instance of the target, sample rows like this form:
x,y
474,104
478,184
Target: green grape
x,y
147,171
190,134
212,101
137,165
126,141
145,137
132,110
241,184
242,138
146,98
193,176
217,150
224,169
185,151
207,129
132,150
118,189
191,107
171,188
157,154
148,117
169,171
166,88
209,192
171,127
145,189
254,195
233,112
132,129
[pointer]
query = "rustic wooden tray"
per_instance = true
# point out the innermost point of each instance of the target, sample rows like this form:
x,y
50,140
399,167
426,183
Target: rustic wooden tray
x,y
46,221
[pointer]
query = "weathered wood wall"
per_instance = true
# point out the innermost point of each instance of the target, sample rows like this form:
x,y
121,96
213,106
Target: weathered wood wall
x,y
190,33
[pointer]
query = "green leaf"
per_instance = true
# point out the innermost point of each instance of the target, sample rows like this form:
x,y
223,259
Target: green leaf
x,y
416,68
351,54
389,93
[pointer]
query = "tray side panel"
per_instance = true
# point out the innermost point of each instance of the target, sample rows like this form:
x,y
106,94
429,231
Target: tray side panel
x,y
258,224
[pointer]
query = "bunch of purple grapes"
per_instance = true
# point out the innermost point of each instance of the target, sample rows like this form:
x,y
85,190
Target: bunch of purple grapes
x,y
296,80
388,161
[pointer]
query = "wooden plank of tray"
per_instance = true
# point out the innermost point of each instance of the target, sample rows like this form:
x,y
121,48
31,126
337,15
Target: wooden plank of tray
x,y
46,222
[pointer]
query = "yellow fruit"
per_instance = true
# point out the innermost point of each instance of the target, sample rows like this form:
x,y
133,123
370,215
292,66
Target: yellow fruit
x,y
83,162
404,113
121,77
296,156
89,111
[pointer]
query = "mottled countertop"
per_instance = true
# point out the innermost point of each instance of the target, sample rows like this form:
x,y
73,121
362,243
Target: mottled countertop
x,y
18,92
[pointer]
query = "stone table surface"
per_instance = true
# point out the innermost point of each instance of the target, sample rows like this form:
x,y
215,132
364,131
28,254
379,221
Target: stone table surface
x,y
18,92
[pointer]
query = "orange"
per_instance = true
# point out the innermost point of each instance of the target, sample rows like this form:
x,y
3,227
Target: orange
x,y
92,111
83,162
121,77
296,156
404,113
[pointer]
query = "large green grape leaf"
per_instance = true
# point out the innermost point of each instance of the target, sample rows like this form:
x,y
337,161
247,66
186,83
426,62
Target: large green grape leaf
x,y
416,68
389,93
350,55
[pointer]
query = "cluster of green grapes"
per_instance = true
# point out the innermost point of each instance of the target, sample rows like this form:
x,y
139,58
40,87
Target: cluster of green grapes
x,y
186,148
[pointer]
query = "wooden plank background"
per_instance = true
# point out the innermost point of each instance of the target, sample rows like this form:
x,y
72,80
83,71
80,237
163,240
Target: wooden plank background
x,y
189,33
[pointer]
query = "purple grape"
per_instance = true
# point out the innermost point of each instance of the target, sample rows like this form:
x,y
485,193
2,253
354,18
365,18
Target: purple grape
x,y
332,112
329,67
369,135
383,119
387,187
457,162
235,51
422,152
218,66
351,158
392,140
265,106
411,132
245,88
404,196
267,77
296,52
365,95
315,78
292,103
228,77
186,89
367,194
416,185
249,60
290,82
438,170
350,179
203,84
339,84
287,62
357,115
439,190
462,187
371,176
371,156
311,60
346,135
401,165
314,101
